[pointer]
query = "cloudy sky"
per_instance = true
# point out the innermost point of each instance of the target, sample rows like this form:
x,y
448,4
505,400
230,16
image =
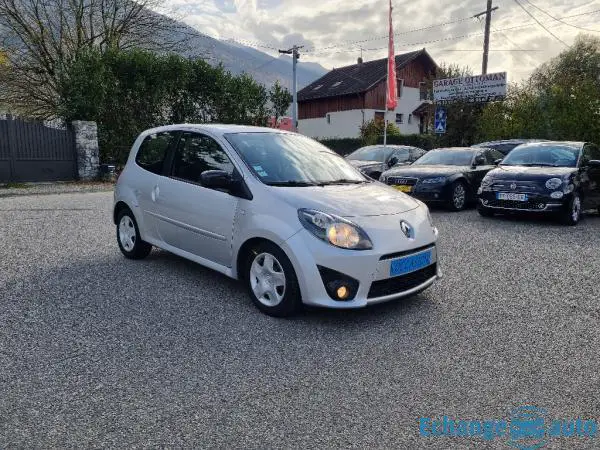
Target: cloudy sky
x,y
330,29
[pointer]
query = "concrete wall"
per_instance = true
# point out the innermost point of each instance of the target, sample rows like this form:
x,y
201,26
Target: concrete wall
x,y
346,124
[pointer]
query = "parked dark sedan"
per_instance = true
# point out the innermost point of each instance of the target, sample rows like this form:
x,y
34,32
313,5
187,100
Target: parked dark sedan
x,y
374,159
507,145
450,176
560,178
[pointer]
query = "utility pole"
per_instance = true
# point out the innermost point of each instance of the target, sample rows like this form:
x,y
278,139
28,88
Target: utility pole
x,y
294,51
486,39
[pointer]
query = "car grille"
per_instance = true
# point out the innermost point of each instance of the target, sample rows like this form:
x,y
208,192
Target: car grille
x,y
512,204
402,283
519,186
404,181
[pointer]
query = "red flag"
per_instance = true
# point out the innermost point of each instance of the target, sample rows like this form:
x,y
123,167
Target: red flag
x,y
392,88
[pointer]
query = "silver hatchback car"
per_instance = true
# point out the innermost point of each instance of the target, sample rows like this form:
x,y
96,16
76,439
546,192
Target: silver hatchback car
x,y
292,219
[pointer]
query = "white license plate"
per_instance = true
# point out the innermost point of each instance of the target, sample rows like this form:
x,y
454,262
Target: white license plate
x,y
511,196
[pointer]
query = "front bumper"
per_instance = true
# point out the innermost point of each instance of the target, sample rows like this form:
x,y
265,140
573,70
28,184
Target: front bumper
x,y
371,268
536,203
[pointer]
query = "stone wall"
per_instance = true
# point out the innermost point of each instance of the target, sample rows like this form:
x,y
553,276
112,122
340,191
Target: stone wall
x,y
86,146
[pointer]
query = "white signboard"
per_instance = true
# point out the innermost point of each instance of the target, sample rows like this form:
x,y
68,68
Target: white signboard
x,y
473,89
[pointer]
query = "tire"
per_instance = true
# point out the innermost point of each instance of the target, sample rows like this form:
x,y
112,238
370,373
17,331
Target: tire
x,y
128,236
271,281
572,214
457,201
484,212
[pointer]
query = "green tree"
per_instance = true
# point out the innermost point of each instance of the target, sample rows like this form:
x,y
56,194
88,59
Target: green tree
x,y
280,99
372,131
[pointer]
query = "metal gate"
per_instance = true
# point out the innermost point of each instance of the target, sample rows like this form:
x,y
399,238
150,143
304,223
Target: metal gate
x,y
34,151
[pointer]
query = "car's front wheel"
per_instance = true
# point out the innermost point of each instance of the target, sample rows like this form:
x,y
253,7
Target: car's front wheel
x,y
128,236
572,213
272,281
458,196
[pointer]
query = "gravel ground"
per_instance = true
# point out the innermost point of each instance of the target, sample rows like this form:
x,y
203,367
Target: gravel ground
x,y
97,350
55,188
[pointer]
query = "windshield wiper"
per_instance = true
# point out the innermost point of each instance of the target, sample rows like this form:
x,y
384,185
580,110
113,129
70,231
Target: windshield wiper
x,y
342,181
291,183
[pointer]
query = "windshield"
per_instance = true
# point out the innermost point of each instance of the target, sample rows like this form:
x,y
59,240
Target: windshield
x,y
446,157
280,159
370,154
552,155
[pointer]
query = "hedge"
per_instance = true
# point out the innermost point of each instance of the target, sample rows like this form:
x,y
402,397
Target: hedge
x,y
348,145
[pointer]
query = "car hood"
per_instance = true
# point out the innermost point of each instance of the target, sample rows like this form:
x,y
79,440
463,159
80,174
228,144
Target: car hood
x,y
353,200
518,173
424,170
362,164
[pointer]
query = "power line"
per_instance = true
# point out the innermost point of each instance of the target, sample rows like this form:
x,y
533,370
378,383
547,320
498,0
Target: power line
x,y
541,24
560,20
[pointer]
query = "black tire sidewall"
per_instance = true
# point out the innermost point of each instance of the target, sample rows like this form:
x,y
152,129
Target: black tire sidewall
x,y
567,217
291,302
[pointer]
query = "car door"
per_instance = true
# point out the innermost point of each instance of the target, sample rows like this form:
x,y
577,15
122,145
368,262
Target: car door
x,y
194,218
151,159
590,176
480,166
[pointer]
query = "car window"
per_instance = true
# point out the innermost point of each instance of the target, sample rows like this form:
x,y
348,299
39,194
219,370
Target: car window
x,y
416,153
543,154
403,154
370,154
197,153
153,151
446,157
590,151
491,156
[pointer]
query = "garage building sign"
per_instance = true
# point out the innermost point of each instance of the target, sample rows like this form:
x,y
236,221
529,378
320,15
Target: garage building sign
x,y
474,89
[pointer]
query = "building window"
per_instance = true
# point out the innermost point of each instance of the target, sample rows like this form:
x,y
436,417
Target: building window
x,y
400,84
424,93
328,119
336,84
399,118
379,116
410,118
316,88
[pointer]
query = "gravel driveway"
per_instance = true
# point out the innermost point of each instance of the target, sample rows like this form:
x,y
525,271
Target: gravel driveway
x,y
97,350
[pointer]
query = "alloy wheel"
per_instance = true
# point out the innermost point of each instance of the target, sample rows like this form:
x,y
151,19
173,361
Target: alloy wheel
x,y
127,234
459,196
267,279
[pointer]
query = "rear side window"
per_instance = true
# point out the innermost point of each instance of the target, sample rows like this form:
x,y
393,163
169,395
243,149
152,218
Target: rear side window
x,y
153,151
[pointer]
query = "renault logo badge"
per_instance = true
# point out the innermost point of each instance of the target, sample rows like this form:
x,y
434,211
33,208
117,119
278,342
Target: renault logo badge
x,y
407,229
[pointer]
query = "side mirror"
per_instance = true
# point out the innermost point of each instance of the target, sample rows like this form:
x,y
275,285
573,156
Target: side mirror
x,y
392,161
216,179
498,161
479,161
594,163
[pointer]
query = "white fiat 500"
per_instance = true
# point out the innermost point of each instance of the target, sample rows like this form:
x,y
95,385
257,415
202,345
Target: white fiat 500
x,y
283,213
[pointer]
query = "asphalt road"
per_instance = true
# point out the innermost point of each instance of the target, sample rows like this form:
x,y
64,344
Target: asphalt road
x,y
97,350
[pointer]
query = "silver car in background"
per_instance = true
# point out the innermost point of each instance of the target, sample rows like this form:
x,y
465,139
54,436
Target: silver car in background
x,y
292,219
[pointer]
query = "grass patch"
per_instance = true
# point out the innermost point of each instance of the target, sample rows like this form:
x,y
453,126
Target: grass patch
x,y
14,186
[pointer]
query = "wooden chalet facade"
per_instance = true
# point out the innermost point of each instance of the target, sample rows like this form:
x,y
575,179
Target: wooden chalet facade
x,y
337,104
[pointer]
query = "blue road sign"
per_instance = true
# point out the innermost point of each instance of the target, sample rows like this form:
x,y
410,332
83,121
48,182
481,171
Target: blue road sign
x,y
440,120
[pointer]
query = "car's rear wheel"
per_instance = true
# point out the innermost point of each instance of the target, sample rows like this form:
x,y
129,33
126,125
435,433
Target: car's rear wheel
x,y
458,196
128,236
272,281
484,212
572,213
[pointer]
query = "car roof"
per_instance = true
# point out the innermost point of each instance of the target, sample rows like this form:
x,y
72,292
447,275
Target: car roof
x,y
455,149
388,146
215,128
575,144
508,141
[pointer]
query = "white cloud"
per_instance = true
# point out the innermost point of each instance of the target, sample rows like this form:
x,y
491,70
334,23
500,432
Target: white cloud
x,y
330,26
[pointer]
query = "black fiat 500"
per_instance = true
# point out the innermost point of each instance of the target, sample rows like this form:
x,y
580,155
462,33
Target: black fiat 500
x,y
447,176
560,178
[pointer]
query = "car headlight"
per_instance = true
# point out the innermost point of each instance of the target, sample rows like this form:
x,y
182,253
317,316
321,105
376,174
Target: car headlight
x,y
383,178
334,230
554,183
436,180
486,182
